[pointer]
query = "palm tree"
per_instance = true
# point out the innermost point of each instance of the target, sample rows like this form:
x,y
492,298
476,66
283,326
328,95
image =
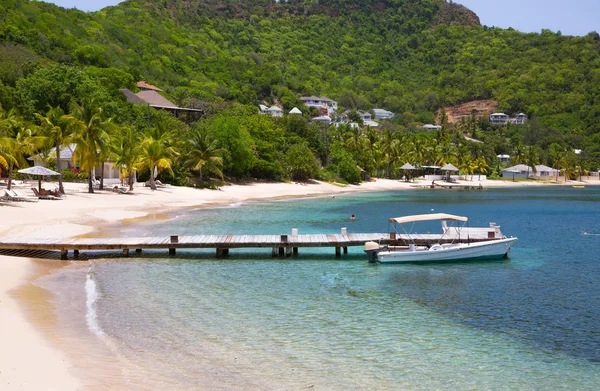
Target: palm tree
x,y
57,126
481,166
91,137
126,150
532,158
16,144
7,121
467,165
518,154
203,154
155,153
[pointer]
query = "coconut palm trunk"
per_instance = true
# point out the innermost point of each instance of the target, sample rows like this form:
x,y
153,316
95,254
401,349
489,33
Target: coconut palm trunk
x,y
58,168
10,174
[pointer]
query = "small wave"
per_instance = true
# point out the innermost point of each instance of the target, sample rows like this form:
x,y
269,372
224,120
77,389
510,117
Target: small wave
x,y
91,293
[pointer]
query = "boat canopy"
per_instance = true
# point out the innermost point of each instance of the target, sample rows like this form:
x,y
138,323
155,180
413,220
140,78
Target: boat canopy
x,y
427,217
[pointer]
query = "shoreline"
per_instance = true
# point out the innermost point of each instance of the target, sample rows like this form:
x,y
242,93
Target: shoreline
x,y
26,338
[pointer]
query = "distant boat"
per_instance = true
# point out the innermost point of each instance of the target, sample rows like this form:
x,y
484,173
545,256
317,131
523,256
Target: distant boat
x,y
484,250
578,187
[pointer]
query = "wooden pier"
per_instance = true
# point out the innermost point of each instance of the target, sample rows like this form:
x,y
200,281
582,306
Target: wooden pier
x,y
280,244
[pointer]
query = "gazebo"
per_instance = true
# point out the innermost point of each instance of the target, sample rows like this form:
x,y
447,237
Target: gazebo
x,y
448,168
407,167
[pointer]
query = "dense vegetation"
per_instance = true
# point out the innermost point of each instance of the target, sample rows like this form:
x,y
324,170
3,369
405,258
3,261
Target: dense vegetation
x,y
411,57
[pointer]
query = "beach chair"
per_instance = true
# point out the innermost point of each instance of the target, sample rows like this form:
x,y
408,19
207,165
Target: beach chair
x,y
14,196
122,190
44,196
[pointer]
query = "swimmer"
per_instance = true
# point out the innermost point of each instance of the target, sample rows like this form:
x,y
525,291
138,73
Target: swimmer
x,y
352,217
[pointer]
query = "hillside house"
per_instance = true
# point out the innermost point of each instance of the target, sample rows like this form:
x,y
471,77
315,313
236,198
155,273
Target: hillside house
x,y
327,106
365,116
499,119
324,119
263,109
503,158
275,111
503,119
382,114
149,95
520,119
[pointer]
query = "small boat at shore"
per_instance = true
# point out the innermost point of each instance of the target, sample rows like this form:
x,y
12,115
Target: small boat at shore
x,y
578,187
497,247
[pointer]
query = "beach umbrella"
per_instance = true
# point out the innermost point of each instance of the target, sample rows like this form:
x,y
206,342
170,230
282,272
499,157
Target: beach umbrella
x,y
40,171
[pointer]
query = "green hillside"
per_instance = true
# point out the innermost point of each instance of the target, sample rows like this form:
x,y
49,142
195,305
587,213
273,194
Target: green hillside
x,y
411,57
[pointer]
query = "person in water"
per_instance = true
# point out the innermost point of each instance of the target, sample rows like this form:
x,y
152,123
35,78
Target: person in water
x,y
352,217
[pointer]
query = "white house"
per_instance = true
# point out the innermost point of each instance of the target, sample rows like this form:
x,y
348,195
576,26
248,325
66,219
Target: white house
x,y
503,158
327,105
66,161
383,114
275,111
432,127
499,119
520,119
66,157
365,116
503,119
372,124
521,171
324,119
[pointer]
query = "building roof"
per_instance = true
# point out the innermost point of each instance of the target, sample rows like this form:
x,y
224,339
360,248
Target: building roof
x,y
473,140
263,107
517,168
145,86
153,98
275,108
372,124
496,114
323,118
131,97
501,156
316,98
382,111
66,152
295,110
542,168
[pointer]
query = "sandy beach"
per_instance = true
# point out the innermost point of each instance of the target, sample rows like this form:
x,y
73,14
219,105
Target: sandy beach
x,y
30,359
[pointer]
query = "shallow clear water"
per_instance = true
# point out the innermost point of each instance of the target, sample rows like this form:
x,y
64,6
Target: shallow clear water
x,y
255,322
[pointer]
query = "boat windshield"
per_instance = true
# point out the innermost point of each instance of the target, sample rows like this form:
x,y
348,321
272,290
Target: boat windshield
x,y
427,217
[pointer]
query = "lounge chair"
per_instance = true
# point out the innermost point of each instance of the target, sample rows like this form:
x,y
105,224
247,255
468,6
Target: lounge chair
x,y
122,190
13,196
157,183
44,196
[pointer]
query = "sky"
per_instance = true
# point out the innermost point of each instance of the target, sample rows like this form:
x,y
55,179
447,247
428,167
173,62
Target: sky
x,y
571,17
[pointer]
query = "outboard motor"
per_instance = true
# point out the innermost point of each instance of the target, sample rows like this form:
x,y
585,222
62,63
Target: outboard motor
x,y
372,248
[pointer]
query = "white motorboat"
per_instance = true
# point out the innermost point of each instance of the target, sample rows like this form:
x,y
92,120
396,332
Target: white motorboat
x,y
493,246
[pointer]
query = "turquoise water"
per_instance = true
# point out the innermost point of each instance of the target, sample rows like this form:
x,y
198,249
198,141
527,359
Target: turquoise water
x,y
255,322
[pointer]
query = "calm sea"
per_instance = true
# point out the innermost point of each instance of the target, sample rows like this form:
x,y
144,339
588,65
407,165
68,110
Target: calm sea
x,y
316,322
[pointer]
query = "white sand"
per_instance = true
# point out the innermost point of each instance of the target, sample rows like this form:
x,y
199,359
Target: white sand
x,y
27,360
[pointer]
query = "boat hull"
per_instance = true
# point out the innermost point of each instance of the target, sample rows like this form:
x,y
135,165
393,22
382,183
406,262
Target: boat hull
x,y
489,250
